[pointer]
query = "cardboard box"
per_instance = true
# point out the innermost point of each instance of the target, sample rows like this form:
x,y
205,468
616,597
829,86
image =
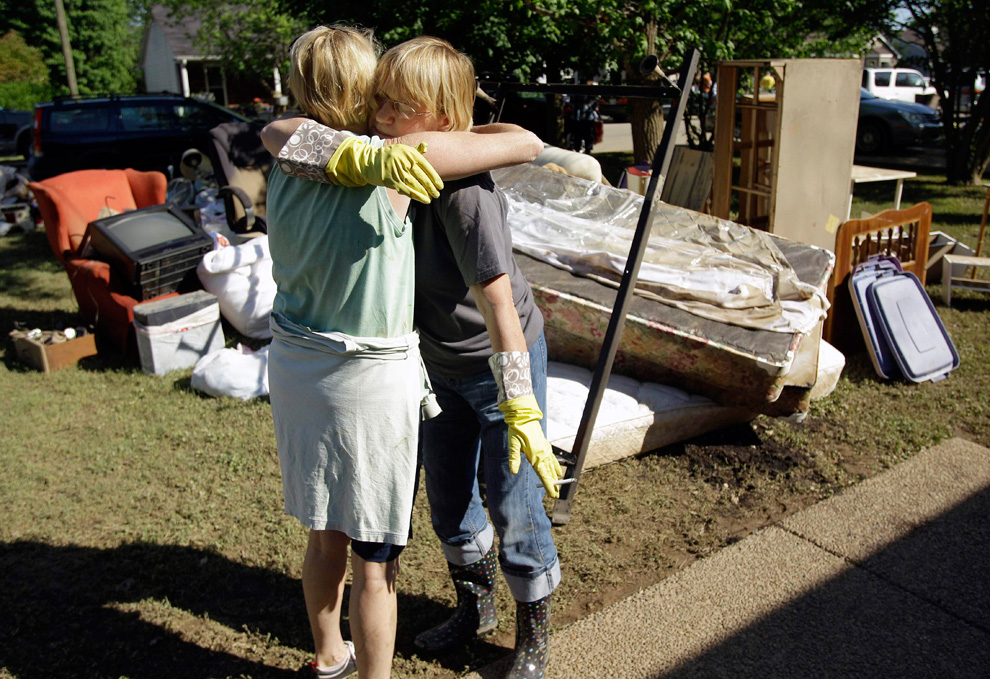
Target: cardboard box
x,y
939,245
48,357
176,332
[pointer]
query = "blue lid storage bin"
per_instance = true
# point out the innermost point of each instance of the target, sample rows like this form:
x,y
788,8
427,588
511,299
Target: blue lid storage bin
x,y
912,328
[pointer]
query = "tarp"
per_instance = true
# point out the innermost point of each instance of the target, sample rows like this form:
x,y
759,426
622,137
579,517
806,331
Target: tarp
x,y
711,267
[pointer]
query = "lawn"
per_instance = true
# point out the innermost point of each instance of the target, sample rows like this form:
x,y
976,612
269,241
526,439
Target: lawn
x,y
141,524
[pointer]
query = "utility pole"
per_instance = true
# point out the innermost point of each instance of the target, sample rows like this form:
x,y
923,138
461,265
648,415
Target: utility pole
x,y
63,31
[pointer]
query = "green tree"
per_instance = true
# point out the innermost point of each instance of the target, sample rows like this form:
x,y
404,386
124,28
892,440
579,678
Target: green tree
x,y
23,74
956,35
19,61
541,37
531,38
255,36
504,36
102,33
761,29
721,29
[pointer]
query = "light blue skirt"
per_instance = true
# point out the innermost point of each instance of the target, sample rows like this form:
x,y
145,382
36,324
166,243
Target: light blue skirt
x,y
347,412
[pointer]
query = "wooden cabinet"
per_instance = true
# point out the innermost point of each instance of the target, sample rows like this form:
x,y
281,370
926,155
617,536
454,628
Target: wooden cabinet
x,y
784,147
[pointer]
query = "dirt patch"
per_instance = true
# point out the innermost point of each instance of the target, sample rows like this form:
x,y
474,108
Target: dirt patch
x,y
738,459
639,521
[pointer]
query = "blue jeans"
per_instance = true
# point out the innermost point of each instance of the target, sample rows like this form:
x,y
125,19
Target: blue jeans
x,y
472,431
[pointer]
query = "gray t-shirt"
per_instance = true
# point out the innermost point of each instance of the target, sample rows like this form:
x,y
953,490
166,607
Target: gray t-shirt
x,y
461,239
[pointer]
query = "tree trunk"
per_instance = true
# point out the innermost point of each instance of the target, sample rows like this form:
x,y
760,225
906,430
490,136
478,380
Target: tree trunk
x,y
647,129
967,150
646,115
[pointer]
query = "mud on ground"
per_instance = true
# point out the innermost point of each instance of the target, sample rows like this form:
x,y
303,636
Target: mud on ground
x,y
636,522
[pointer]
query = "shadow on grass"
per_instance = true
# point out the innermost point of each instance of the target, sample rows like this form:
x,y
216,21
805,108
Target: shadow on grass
x,y
963,301
78,611
951,219
24,319
26,250
22,256
60,605
613,163
184,385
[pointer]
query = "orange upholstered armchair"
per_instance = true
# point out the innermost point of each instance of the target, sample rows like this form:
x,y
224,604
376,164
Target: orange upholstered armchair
x,y
68,203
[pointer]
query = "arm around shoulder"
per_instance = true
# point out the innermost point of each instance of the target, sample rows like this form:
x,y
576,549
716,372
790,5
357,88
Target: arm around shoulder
x,y
461,154
276,133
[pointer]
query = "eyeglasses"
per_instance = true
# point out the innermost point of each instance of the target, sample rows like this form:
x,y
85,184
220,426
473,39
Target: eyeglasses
x,y
402,110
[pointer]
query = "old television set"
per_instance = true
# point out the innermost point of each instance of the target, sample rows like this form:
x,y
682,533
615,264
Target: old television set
x,y
155,250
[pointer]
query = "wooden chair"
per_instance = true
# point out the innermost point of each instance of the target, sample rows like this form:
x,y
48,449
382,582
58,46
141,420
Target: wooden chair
x,y
901,233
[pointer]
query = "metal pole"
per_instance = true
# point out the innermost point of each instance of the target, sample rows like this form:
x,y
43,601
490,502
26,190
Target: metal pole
x,y
63,32
661,163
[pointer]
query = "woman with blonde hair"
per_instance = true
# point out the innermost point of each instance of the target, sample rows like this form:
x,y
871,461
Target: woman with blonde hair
x,y
346,379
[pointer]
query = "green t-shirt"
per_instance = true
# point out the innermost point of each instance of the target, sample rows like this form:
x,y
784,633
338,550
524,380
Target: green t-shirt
x,y
341,257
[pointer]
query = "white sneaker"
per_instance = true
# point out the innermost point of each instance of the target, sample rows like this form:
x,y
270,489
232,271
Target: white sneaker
x,y
344,669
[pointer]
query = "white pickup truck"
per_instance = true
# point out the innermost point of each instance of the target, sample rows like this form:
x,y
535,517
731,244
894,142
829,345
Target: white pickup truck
x,y
899,84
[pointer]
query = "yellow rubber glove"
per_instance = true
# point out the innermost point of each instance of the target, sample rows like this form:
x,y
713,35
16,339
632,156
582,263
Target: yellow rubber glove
x,y
398,166
523,416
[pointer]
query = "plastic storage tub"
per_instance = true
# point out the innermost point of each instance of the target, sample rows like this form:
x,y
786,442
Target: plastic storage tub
x,y
903,331
175,333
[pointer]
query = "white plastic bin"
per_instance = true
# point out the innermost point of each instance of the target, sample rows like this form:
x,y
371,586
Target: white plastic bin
x,y
175,333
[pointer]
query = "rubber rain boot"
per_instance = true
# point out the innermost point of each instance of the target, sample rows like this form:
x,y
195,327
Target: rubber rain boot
x,y
475,613
532,639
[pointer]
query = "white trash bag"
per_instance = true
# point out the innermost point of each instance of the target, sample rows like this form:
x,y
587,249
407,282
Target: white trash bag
x,y
241,278
237,372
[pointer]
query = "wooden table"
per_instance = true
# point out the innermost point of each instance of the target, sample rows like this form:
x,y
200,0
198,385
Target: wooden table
x,y
862,174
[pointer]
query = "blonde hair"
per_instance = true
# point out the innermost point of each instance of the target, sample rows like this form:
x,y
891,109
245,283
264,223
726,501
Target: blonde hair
x,y
333,70
429,72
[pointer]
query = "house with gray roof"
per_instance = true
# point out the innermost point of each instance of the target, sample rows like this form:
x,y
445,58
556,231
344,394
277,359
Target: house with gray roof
x,y
173,62
881,53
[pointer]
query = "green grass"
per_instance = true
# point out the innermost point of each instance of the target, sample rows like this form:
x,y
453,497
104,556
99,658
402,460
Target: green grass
x,y
914,416
614,164
956,210
141,523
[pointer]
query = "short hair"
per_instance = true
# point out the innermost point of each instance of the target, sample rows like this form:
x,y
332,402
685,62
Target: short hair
x,y
332,76
429,72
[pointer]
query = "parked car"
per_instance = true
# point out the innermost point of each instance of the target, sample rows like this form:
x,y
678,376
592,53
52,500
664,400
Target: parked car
x,y
887,125
145,132
614,109
15,132
898,84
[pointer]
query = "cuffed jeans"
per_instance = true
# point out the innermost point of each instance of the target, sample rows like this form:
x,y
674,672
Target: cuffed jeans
x,y
469,431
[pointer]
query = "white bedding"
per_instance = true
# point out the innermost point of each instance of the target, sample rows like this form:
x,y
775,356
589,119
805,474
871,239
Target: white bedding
x,y
634,416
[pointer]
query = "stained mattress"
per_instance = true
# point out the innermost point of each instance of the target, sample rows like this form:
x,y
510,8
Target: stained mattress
x,y
762,370
633,417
